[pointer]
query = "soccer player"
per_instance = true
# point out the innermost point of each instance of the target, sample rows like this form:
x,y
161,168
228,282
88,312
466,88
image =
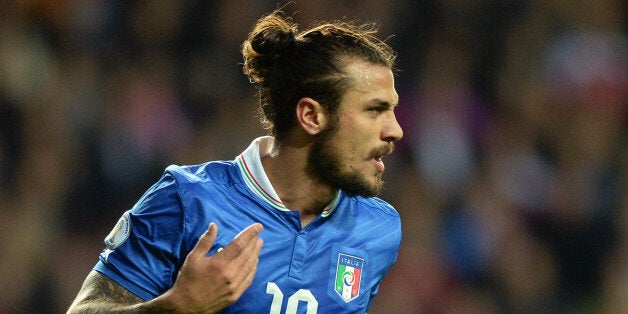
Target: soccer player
x,y
291,225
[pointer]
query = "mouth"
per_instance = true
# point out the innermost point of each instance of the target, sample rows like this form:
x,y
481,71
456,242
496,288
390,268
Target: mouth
x,y
379,164
378,154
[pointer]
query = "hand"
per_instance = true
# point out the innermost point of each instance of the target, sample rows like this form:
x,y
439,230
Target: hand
x,y
208,284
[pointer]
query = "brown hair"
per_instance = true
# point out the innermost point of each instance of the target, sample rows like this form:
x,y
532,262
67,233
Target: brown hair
x,y
288,65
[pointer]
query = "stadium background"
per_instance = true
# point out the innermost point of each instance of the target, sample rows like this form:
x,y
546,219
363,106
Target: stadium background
x,y
511,178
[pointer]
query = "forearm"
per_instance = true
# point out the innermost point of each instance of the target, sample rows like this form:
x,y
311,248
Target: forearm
x,y
104,307
101,295
205,284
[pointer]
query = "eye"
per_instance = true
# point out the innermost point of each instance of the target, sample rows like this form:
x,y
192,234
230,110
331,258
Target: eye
x,y
377,109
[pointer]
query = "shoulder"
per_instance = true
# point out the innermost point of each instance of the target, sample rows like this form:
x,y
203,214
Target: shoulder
x,y
377,206
377,226
376,215
217,172
372,213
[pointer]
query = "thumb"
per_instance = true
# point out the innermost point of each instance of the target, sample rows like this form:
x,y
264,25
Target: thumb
x,y
205,242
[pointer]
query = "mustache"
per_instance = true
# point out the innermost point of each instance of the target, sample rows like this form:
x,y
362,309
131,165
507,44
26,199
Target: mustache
x,y
383,150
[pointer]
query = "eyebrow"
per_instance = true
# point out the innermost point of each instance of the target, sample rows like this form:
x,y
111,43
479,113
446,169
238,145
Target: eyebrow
x,y
383,103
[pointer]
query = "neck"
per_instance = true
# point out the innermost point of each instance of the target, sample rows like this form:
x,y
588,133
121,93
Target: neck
x,y
286,168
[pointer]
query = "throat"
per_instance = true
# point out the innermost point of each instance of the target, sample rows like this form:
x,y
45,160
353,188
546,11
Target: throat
x,y
306,219
309,209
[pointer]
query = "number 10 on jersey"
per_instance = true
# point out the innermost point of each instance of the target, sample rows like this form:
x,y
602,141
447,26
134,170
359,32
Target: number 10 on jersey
x,y
293,301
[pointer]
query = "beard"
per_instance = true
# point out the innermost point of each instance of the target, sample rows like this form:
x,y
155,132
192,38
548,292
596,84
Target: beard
x,y
325,163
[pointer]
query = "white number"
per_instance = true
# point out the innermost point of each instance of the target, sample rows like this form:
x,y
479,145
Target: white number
x,y
305,296
273,288
293,301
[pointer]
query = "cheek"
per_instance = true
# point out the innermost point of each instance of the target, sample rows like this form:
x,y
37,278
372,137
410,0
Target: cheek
x,y
352,140
353,152
361,123
354,134
352,126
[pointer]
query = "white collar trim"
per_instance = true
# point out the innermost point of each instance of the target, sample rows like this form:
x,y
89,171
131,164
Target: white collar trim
x,y
250,165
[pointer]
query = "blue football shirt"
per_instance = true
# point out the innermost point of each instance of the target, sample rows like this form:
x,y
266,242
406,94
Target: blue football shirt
x,y
332,265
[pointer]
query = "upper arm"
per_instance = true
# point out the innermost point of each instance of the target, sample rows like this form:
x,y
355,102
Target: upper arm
x,y
144,250
101,293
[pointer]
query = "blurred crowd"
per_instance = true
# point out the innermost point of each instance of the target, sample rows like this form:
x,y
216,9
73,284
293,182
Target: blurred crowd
x,y
511,179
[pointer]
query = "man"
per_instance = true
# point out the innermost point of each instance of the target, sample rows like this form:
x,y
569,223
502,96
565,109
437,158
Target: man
x,y
328,99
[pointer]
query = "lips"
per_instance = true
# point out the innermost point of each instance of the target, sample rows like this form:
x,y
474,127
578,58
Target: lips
x,y
379,153
379,164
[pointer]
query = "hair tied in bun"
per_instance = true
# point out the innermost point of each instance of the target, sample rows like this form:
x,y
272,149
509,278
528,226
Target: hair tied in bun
x,y
289,41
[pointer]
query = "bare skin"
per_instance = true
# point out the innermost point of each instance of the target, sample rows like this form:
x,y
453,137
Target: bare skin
x,y
205,284
367,121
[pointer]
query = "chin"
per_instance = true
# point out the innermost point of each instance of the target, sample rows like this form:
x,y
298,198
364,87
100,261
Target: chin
x,y
363,188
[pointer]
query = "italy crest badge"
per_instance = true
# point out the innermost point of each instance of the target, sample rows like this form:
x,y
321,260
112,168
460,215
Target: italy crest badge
x,y
348,276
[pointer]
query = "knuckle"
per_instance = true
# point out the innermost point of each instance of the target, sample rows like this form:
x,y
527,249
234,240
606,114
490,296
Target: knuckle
x,y
237,244
228,277
250,268
232,293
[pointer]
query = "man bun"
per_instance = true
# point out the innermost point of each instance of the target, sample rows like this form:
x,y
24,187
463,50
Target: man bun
x,y
270,40
287,64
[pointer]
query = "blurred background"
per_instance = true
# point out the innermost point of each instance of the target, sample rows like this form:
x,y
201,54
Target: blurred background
x,y
511,179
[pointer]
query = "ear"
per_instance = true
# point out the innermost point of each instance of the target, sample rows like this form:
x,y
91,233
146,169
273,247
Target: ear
x,y
311,116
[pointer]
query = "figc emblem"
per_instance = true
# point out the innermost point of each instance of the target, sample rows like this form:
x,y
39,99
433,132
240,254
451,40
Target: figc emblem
x,y
348,276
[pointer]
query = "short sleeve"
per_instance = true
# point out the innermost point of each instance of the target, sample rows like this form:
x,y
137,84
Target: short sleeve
x,y
143,251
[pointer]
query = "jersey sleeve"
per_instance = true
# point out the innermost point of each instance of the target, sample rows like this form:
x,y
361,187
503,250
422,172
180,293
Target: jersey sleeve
x,y
388,244
143,251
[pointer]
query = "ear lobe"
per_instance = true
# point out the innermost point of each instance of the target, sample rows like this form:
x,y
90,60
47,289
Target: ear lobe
x,y
311,116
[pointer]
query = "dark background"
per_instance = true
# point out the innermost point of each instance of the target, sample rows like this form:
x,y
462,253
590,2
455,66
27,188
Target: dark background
x,y
510,180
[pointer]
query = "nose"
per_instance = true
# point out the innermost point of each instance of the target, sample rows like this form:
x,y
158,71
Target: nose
x,y
392,131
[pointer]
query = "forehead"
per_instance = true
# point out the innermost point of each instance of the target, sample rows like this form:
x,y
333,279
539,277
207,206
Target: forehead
x,y
370,81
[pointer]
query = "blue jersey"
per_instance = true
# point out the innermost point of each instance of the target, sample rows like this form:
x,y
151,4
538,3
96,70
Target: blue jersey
x,y
332,265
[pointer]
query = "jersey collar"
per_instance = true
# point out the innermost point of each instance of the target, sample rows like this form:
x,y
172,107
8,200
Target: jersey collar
x,y
250,165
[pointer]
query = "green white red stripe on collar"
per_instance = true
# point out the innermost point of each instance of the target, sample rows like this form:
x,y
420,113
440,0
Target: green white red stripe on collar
x,y
329,208
250,165
255,186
